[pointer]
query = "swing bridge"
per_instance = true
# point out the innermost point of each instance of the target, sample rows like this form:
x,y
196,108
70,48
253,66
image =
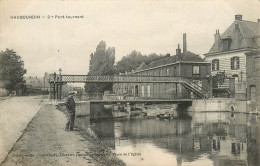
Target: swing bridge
x,y
56,81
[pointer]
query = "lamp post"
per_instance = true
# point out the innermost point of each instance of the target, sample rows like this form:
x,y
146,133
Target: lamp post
x,y
60,83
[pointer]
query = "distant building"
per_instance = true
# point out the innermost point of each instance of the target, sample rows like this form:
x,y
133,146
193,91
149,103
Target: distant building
x,y
237,54
37,84
186,65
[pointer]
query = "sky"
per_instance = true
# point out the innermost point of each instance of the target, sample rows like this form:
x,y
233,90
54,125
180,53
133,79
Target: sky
x,y
148,26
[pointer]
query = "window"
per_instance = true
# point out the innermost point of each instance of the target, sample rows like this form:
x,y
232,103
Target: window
x,y
142,90
226,43
234,63
215,64
161,72
196,70
148,74
252,93
167,71
148,91
257,63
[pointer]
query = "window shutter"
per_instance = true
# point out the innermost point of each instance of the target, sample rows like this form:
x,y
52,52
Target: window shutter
x,y
213,65
232,63
217,64
237,63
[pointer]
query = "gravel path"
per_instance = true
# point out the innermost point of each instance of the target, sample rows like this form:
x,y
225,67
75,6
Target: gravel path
x,y
45,142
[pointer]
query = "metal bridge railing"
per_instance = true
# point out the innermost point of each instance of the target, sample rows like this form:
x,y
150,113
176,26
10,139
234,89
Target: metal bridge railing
x,y
87,78
54,78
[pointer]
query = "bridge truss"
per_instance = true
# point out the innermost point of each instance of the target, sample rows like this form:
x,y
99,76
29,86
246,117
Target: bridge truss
x,y
56,81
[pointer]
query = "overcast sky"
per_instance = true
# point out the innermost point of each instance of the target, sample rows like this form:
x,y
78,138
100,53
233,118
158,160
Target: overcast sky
x,y
46,45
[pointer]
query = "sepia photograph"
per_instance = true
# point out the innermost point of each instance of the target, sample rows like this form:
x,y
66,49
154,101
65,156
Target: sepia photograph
x,y
130,83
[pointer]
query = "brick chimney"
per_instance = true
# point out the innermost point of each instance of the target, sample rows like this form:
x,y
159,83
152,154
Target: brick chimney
x,y
217,39
238,17
184,43
178,53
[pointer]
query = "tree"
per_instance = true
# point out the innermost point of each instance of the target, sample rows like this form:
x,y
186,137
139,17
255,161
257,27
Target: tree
x,y
101,63
11,71
133,60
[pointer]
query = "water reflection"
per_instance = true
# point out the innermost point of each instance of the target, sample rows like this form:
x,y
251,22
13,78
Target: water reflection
x,y
205,139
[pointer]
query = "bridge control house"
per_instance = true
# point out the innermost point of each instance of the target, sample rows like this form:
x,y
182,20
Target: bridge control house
x,y
190,69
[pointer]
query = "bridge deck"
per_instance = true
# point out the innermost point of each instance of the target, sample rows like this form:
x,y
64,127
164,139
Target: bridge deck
x,y
142,101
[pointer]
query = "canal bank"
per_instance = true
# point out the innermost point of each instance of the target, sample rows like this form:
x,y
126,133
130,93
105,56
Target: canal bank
x,y
220,105
131,110
45,142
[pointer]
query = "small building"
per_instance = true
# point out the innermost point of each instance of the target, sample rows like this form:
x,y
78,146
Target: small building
x,y
185,65
236,53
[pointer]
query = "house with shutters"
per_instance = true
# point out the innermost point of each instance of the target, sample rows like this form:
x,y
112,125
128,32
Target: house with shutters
x,y
236,54
187,66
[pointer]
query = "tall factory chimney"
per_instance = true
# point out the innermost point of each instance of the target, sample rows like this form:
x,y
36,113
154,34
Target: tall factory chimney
x,y
184,43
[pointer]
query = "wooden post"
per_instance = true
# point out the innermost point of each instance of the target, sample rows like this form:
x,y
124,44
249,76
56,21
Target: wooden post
x,y
60,84
60,90
210,87
54,91
57,92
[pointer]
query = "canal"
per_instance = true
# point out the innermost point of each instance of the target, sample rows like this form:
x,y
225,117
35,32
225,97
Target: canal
x,y
210,139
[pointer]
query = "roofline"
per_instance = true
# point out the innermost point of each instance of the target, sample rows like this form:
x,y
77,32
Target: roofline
x,y
231,51
177,62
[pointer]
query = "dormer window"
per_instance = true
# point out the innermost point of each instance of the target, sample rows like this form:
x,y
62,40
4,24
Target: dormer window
x,y
215,64
226,43
234,63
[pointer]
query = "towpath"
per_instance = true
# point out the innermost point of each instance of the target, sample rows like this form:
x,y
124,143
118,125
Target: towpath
x,y
45,142
15,114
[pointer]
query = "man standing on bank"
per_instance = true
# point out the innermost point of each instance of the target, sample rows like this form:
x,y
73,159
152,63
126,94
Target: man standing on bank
x,y
70,105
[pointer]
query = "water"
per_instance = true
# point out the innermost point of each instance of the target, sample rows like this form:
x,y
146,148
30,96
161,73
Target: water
x,y
210,139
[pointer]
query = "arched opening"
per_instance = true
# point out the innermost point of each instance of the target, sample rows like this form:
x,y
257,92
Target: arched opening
x,y
232,109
